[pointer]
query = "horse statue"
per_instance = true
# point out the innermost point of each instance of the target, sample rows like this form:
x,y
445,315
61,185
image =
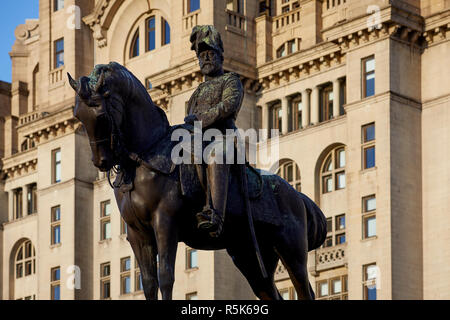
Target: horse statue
x,y
158,200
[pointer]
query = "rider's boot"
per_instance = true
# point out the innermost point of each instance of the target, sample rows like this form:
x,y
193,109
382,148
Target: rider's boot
x,y
212,217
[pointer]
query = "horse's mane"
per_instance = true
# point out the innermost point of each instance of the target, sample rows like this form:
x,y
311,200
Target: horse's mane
x,y
133,88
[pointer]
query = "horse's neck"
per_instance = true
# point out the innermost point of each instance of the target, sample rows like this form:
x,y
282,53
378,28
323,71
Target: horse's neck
x,y
145,126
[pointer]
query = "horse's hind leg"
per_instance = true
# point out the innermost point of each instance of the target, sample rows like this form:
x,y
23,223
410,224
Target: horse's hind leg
x,y
293,251
245,260
145,250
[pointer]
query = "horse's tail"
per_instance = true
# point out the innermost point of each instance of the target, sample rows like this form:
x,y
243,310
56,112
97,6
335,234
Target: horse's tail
x,y
317,223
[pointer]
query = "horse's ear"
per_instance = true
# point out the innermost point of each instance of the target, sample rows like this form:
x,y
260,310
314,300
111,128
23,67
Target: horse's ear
x,y
72,82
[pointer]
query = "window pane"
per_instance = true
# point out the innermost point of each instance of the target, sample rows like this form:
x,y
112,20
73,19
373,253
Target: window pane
x,y
106,270
371,293
166,32
194,5
56,293
328,242
371,204
126,284
329,184
290,172
340,239
19,270
193,259
107,230
369,155
56,274
341,158
336,286
56,234
369,133
371,227
340,223
370,85
329,225
151,34
106,289
370,65
284,294
323,289
340,180
58,172
59,4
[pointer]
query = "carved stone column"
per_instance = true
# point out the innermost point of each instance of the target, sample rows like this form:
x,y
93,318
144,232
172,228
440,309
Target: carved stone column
x,y
265,121
315,105
305,106
284,113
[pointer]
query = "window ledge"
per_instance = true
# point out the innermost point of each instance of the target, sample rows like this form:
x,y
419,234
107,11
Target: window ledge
x,y
124,295
56,245
104,241
368,170
191,270
369,239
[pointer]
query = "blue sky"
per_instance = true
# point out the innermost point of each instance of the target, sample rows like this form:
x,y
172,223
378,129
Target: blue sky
x,y
13,13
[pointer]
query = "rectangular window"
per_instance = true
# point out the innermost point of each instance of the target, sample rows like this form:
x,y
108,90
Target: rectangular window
x,y
285,9
193,5
56,225
56,166
18,203
322,289
191,258
368,146
370,274
125,276
333,289
276,116
369,221
192,296
55,286
340,222
105,280
295,114
137,277
32,199
368,71
285,293
58,5
151,34
59,53
165,32
105,220
292,46
326,106
123,227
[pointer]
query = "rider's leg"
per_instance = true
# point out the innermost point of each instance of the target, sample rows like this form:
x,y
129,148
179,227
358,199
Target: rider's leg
x,y
213,215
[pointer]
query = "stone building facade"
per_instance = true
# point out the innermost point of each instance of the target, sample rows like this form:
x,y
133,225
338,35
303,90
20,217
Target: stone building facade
x,y
355,88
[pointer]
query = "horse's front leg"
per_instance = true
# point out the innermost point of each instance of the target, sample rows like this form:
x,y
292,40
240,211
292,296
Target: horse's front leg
x,y
145,250
166,231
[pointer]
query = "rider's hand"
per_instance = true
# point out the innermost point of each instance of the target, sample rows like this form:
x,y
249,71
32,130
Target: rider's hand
x,y
190,119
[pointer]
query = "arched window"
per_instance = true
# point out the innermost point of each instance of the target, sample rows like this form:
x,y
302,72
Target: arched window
x,y
333,171
25,260
165,32
289,171
134,48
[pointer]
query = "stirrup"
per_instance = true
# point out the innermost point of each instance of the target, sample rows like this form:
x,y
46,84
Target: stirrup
x,y
209,220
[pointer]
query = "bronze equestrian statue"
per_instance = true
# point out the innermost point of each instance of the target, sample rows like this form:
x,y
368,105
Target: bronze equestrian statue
x,y
161,201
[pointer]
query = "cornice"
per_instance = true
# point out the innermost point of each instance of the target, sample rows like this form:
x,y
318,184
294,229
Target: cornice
x,y
20,164
50,126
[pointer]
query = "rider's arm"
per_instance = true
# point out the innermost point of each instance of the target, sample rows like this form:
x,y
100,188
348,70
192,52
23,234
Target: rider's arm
x,y
232,95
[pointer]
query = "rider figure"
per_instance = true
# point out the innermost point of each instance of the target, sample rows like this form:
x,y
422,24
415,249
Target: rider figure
x,y
216,102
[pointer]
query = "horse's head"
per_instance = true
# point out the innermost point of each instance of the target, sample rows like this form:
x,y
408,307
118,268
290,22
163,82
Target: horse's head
x,y
100,107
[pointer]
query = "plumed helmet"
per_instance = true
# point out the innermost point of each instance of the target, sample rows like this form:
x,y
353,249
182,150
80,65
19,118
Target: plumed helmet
x,y
206,36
